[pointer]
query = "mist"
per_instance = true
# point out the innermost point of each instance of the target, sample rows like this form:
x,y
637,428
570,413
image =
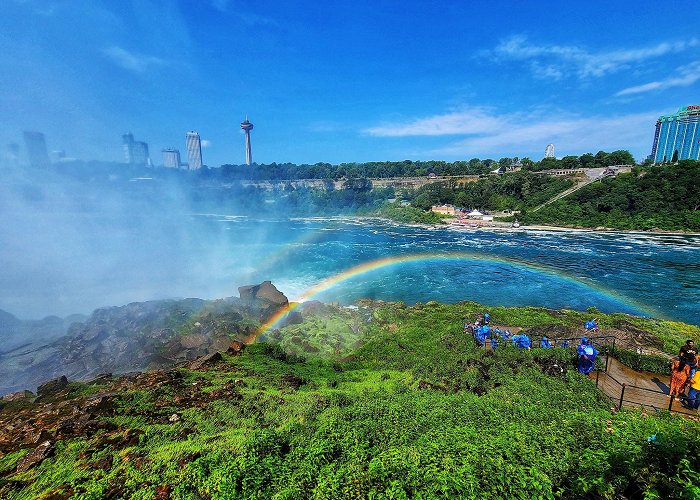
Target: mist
x,y
77,237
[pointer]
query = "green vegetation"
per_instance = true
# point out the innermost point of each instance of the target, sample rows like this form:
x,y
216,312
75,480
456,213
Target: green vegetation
x,y
416,411
660,197
408,168
646,362
516,191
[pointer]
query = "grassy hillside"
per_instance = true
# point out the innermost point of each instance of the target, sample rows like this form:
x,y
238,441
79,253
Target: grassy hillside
x,y
659,197
416,411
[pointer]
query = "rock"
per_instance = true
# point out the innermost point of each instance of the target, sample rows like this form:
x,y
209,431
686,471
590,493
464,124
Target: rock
x,y
193,341
35,457
205,360
291,380
18,396
265,292
174,418
163,492
101,403
101,378
263,300
236,347
41,437
52,386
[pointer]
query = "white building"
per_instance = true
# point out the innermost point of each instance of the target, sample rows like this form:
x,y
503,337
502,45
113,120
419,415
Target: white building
x,y
194,150
171,158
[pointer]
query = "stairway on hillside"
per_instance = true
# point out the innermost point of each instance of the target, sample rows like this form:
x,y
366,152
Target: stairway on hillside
x,y
568,192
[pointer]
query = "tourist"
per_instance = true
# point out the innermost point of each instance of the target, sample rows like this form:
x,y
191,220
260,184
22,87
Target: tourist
x,y
689,354
545,343
479,335
487,318
565,343
591,326
586,356
522,341
680,372
694,392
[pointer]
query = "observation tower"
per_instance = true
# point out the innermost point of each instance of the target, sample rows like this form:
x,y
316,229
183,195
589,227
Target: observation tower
x,y
247,126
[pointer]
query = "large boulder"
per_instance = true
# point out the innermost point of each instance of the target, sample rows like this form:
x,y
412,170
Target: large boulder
x,y
52,386
263,300
265,292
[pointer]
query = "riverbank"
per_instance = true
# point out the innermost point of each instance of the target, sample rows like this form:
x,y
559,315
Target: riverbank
x,y
507,226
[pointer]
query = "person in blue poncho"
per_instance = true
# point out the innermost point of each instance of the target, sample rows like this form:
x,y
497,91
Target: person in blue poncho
x,y
506,335
565,343
591,325
545,343
479,335
495,338
586,356
487,318
487,331
522,341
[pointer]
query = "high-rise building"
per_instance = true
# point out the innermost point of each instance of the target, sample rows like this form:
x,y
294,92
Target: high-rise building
x,y
247,126
35,142
549,151
171,158
135,152
194,150
128,145
140,153
677,136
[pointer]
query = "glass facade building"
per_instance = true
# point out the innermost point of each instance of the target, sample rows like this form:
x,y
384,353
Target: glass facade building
x,y
677,136
194,150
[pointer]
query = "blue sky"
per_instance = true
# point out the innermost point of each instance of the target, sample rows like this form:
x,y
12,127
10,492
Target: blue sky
x,y
341,81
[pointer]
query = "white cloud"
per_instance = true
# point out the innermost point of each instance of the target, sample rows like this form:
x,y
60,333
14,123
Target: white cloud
x,y
557,60
130,60
526,132
467,121
685,76
205,143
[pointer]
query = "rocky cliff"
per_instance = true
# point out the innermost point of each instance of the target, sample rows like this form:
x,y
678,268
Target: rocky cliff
x,y
140,336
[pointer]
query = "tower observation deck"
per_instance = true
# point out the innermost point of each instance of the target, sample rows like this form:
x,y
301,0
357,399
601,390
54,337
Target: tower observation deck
x,y
247,126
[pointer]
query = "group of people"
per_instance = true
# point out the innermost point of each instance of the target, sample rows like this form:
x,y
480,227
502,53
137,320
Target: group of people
x,y
685,374
481,330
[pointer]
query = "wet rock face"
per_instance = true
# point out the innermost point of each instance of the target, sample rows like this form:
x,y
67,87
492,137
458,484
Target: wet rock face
x,y
265,292
35,457
204,361
137,336
18,396
263,300
52,387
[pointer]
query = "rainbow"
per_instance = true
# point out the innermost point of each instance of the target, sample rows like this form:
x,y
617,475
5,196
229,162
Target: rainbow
x,y
386,262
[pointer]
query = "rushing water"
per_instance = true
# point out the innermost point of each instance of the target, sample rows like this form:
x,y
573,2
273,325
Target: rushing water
x,y
210,255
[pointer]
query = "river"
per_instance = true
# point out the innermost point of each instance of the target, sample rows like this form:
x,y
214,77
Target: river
x,y
344,259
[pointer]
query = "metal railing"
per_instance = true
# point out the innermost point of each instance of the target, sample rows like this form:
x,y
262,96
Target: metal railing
x,y
621,393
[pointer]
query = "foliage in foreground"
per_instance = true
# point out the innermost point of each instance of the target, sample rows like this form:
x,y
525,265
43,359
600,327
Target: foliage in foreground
x,y
417,411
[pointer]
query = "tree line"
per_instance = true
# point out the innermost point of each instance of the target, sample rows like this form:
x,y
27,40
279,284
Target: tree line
x,y
409,168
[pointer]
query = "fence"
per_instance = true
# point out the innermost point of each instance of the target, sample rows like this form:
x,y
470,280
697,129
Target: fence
x,y
639,389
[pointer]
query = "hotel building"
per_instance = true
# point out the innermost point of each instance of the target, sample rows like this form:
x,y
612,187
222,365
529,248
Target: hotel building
x,y
677,136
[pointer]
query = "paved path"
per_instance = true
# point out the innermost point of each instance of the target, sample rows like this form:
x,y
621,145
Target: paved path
x,y
645,389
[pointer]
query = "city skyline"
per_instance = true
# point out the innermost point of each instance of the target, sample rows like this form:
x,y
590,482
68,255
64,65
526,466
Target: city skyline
x,y
342,83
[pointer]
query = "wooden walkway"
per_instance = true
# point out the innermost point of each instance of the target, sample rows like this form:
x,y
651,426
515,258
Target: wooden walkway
x,y
645,389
